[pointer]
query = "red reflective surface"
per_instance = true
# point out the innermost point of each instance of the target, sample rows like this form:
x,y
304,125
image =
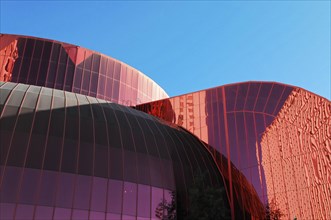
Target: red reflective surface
x,y
232,119
69,67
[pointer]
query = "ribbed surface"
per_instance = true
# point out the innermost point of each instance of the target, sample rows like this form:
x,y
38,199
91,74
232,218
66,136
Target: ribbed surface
x,y
72,68
66,155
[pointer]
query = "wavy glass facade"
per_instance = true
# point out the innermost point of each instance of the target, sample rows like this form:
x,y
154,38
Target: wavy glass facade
x,y
85,136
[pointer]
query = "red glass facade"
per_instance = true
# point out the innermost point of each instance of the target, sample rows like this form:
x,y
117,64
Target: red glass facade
x,y
69,152
235,120
72,68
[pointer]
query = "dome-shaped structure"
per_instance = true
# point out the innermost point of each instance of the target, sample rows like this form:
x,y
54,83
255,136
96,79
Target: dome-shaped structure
x,y
66,155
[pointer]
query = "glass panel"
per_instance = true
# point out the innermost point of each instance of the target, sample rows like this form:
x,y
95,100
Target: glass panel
x,y
144,203
62,214
10,184
44,213
7,211
115,193
129,198
157,201
79,214
24,212
65,190
29,186
47,188
97,215
99,193
82,192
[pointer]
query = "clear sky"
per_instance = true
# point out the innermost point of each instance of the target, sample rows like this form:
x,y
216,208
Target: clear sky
x,y
192,45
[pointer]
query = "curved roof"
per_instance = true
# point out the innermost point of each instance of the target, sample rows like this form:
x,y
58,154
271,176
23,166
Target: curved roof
x,y
59,65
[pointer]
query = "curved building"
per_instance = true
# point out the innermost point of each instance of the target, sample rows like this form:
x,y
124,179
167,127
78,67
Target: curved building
x,y
68,67
84,136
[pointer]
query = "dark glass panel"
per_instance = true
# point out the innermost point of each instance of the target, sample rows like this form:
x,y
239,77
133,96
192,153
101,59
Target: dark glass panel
x,y
56,52
114,133
96,63
5,137
29,186
41,121
241,96
138,135
82,192
69,76
24,70
143,167
129,198
38,49
156,171
86,158
69,156
29,48
42,73
115,193
101,162
63,56
51,74
110,68
126,130
65,190
263,97
60,76
10,184
18,149
47,50
251,138
116,164
99,194
130,166
149,138
53,153
33,71
20,47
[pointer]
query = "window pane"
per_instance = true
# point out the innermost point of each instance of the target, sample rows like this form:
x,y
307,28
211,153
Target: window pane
x,y
129,198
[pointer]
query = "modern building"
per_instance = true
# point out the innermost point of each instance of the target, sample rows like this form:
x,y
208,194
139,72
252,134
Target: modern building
x,y
85,136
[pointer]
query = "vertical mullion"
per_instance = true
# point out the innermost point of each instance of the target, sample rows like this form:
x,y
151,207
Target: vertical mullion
x,y
33,49
40,62
77,162
49,64
23,55
228,152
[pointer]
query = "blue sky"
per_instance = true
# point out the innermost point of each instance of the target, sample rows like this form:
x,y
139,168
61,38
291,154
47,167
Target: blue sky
x,y
192,45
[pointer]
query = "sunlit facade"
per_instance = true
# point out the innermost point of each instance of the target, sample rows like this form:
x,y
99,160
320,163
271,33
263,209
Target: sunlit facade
x,y
85,136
